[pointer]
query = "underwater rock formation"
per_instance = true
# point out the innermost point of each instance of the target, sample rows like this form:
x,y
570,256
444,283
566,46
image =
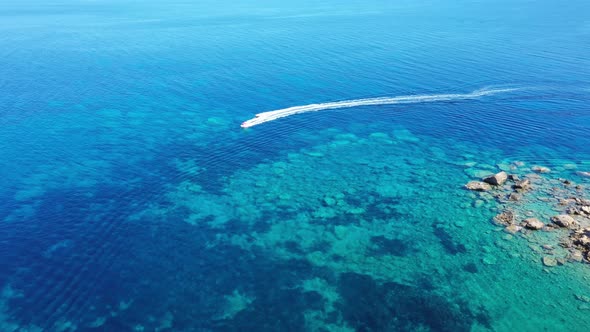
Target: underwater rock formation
x,y
478,186
541,169
522,184
536,196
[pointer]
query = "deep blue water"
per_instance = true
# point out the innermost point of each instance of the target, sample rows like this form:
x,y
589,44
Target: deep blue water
x,y
132,200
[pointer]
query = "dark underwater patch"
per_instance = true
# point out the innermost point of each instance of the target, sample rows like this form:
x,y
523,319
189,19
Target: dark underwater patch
x,y
446,240
383,208
386,246
471,268
368,306
276,309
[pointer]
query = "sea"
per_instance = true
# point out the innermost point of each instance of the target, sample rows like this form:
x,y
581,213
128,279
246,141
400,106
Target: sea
x,y
131,199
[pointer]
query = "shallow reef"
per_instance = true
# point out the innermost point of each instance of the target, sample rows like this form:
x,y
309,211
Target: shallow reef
x,y
370,233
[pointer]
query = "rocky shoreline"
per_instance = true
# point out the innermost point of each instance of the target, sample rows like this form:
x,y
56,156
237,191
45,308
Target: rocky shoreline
x,y
532,201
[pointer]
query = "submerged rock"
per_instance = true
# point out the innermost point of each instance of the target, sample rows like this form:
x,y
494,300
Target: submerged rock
x,y
329,201
541,169
515,197
563,220
505,218
575,255
512,229
582,298
513,177
533,223
549,261
478,203
489,259
522,184
497,179
478,186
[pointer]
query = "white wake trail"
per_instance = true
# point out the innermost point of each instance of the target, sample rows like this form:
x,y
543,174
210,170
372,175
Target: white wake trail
x,y
277,114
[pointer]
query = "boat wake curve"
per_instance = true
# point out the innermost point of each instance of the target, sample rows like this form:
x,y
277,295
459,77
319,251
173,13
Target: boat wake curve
x,y
409,99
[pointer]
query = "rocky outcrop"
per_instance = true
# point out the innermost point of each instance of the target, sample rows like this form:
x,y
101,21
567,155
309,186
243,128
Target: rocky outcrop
x,y
497,179
533,223
580,241
582,238
563,220
478,186
567,234
505,218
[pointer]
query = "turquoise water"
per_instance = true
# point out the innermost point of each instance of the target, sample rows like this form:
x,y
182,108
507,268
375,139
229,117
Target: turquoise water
x,y
131,199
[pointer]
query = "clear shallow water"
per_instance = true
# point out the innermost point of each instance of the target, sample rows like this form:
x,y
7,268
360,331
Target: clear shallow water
x,y
132,200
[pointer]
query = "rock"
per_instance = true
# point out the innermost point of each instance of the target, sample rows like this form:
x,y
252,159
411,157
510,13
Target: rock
x,y
584,174
541,169
505,218
582,298
515,197
575,256
522,184
573,210
512,229
518,163
478,203
329,201
564,242
513,177
533,223
563,220
478,186
497,179
583,241
549,261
